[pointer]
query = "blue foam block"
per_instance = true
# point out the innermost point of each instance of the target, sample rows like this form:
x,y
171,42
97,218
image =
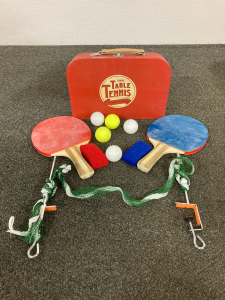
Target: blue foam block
x,y
135,153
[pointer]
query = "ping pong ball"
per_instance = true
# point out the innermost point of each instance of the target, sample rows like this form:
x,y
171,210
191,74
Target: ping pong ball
x,y
112,121
130,126
103,134
113,153
97,118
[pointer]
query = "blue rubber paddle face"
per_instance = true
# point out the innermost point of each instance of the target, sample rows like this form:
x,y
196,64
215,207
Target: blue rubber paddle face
x,y
181,132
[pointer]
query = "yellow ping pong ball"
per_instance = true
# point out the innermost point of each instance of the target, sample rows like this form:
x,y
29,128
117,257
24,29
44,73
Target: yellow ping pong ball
x,y
103,134
112,121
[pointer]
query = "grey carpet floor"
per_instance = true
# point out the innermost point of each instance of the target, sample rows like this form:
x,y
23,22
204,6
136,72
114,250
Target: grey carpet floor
x,y
103,248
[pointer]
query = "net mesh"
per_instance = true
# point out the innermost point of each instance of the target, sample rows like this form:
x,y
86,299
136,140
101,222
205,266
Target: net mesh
x,y
35,230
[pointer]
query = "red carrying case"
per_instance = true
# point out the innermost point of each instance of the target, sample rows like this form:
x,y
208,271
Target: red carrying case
x,y
127,82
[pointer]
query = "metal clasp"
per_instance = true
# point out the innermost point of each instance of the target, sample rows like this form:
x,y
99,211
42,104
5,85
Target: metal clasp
x,y
118,55
95,54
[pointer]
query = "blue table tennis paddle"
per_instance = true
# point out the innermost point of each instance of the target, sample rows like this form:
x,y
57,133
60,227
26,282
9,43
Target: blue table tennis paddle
x,y
173,134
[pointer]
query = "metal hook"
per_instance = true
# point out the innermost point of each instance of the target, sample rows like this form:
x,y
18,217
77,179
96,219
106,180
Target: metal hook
x,y
53,165
195,237
197,219
29,250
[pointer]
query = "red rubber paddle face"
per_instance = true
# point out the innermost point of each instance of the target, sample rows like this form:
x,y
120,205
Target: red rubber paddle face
x,y
59,133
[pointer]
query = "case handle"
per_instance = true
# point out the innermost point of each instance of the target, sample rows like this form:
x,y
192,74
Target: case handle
x,y
123,50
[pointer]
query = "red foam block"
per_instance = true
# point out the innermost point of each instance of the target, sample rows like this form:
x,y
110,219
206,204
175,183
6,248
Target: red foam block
x,y
94,156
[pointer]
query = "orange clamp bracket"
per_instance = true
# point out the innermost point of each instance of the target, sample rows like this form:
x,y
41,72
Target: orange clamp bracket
x,y
193,206
50,208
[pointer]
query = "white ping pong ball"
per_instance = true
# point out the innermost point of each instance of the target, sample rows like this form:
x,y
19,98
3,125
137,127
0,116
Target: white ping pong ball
x,y
97,118
130,126
113,153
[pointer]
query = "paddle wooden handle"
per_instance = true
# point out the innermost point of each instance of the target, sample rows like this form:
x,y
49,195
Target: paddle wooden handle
x,y
83,168
123,50
147,162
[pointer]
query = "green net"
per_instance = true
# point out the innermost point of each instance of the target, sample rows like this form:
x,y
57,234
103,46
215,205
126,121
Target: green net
x,y
34,232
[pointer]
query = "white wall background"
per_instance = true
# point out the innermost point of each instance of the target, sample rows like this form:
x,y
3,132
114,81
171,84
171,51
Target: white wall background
x,y
111,22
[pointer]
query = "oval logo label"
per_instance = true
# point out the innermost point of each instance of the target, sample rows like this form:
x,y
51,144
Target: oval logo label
x,y
117,91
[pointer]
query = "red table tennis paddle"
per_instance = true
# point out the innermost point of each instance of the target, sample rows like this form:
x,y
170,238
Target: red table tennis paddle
x,y
173,134
62,136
